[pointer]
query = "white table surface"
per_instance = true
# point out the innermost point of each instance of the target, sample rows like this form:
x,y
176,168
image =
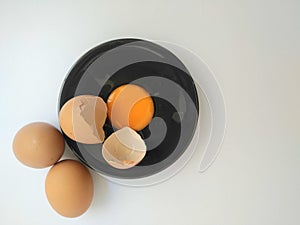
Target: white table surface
x,y
253,47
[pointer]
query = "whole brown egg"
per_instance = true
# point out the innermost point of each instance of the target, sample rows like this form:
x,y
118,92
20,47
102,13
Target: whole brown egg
x,y
38,145
69,188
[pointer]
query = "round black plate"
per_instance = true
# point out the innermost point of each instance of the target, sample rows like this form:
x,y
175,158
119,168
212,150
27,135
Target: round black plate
x,y
163,75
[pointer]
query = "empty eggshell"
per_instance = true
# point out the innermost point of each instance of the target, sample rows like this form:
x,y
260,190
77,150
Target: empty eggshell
x,y
82,119
38,145
69,188
124,149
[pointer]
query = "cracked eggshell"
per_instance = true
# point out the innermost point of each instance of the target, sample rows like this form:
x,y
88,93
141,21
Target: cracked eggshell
x,y
124,149
82,119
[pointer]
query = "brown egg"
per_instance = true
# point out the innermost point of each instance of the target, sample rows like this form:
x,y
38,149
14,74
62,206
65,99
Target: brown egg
x,y
82,119
69,188
38,145
124,149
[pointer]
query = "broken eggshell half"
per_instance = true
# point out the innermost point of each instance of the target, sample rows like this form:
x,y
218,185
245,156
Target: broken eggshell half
x,y
124,149
82,119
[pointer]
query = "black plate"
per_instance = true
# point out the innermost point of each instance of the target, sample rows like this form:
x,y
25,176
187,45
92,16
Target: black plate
x,y
163,75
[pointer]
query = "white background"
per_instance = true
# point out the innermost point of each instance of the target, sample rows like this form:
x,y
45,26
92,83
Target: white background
x,y
253,47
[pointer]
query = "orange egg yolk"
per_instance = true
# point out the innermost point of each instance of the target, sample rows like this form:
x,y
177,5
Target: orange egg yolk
x,y
130,105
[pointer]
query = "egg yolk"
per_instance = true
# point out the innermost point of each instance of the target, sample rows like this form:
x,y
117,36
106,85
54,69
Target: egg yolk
x,y
130,105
